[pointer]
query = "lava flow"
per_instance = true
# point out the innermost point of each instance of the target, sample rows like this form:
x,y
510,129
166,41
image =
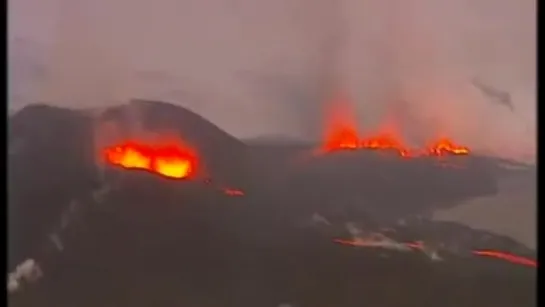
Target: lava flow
x,y
233,192
507,257
341,131
445,146
342,134
386,142
419,245
345,138
171,160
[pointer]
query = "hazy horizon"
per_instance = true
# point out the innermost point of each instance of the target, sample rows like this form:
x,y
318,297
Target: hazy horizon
x,y
275,63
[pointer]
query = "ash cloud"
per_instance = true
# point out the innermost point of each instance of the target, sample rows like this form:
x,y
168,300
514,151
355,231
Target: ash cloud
x,y
427,52
274,63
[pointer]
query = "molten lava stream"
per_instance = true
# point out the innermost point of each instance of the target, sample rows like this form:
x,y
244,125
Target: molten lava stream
x,y
444,146
507,257
172,161
341,134
346,138
128,156
418,245
343,138
387,142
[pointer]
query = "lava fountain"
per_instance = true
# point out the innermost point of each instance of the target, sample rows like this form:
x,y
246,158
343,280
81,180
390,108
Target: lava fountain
x,y
170,159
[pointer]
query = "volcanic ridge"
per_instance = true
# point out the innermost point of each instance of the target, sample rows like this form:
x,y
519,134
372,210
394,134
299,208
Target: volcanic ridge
x,y
149,204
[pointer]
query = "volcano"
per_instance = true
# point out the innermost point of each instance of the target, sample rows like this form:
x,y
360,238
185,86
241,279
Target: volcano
x,y
50,163
182,240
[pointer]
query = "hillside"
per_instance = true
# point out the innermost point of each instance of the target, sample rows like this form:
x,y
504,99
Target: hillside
x,y
131,238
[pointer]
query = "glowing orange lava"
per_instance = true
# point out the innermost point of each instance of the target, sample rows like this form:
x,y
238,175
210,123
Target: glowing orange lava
x,y
341,132
386,141
445,146
485,253
233,192
172,161
347,139
344,138
507,257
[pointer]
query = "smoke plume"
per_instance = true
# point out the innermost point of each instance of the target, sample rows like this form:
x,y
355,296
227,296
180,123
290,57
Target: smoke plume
x,y
275,63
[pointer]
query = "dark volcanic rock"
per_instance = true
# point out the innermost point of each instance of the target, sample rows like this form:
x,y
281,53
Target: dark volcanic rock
x,y
222,154
180,243
150,241
386,187
50,162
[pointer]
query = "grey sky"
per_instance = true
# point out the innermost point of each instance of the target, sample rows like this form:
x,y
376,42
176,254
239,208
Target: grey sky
x,y
263,66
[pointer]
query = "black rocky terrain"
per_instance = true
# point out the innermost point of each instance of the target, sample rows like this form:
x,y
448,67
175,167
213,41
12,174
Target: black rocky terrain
x,y
136,239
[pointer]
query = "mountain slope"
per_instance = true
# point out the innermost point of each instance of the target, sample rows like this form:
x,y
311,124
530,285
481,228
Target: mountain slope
x,y
50,162
135,238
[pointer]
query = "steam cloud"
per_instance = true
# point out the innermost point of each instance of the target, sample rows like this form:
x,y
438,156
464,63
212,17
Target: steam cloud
x,y
274,63
27,272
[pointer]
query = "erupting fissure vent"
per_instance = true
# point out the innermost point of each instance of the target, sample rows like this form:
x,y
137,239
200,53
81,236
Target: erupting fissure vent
x,y
170,160
342,134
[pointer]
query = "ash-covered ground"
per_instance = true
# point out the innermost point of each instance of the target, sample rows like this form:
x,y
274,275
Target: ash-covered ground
x,y
113,237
